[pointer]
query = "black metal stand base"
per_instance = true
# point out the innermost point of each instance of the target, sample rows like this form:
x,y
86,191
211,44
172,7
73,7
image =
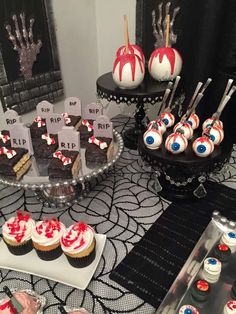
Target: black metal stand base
x,y
131,136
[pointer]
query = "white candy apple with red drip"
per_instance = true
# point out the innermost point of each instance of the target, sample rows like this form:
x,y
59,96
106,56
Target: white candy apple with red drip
x,y
128,71
165,64
132,49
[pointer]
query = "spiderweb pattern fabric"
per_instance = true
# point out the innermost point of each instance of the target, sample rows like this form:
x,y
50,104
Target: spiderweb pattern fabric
x,y
123,206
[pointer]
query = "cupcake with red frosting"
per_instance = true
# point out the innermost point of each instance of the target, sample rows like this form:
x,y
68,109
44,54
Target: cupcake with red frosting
x,y
17,233
46,238
79,245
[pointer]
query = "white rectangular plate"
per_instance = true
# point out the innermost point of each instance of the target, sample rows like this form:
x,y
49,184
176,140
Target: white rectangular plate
x,y
58,270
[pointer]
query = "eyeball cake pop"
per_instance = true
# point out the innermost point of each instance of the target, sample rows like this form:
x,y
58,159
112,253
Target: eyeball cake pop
x,y
216,135
128,71
165,64
203,146
186,129
152,139
159,124
209,122
132,49
176,143
194,121
168,118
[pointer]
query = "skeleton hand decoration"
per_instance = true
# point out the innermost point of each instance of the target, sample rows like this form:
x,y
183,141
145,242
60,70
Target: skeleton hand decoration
x,y
159,26
23,43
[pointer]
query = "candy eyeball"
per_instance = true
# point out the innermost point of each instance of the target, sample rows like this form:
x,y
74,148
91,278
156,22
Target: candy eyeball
x,y
159,125
176,143
216,135
185,128
209,121
152,139
194,121
203,146
168,118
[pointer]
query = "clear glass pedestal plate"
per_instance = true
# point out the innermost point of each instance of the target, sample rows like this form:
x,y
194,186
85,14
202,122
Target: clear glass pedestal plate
x,y
65,192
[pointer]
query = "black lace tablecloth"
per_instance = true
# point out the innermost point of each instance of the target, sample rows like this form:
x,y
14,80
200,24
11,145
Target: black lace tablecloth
x,y
124,206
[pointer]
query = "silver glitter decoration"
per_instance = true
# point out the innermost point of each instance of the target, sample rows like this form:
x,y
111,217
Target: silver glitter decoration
x,y
23,43
159,25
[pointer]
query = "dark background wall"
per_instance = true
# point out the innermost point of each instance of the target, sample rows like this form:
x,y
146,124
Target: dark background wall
x,y
206,32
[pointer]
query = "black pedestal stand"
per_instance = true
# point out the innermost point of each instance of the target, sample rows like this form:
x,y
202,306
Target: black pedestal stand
x,y
149,92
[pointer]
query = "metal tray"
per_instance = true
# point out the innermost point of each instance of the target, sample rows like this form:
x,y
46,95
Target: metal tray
x,y
179,293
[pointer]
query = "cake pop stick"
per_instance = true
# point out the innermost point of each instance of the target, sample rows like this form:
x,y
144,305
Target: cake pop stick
x,y
166,116
126,33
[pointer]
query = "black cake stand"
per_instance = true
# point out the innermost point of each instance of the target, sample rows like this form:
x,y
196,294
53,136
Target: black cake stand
x,y
182,176
149,92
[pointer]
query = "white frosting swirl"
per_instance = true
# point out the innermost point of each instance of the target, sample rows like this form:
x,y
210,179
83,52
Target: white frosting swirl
x,y
19,228
229,238
212,266
77,238
48,232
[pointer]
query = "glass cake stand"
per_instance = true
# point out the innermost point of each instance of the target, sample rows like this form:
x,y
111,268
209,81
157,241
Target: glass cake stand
x,y
149,92
64,192
180,291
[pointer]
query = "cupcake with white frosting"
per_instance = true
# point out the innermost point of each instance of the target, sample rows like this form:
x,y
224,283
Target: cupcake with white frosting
x,y
79,245
17,233
46,238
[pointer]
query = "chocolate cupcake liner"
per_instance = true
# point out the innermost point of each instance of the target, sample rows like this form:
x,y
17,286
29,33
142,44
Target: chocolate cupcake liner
x,y
41,299
80,262
20,249
49,255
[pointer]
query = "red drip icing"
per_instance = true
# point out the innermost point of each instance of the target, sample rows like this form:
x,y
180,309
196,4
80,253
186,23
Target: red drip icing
x,y
231,305
128,58
131,50
8,306
161,52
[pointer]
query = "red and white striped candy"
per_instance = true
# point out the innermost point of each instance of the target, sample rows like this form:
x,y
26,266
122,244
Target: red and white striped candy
x,y
66,117
50,140
65,160
8,152
186,128
4,138
97,142
87,124
194,121
40,122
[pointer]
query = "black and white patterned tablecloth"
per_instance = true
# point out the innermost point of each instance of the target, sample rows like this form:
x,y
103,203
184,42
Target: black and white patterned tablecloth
x,y
123,207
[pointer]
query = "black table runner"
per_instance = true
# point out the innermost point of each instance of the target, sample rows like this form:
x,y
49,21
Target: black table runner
x,y
153,264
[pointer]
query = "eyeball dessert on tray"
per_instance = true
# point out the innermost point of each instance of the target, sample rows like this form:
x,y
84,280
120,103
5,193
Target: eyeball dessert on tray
x,y
176,143
229,238
152,139
165,64
128,71
186,129
168,118
194,121
211,269
230,307
188,309
159,125
203,146
216,135
209,122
